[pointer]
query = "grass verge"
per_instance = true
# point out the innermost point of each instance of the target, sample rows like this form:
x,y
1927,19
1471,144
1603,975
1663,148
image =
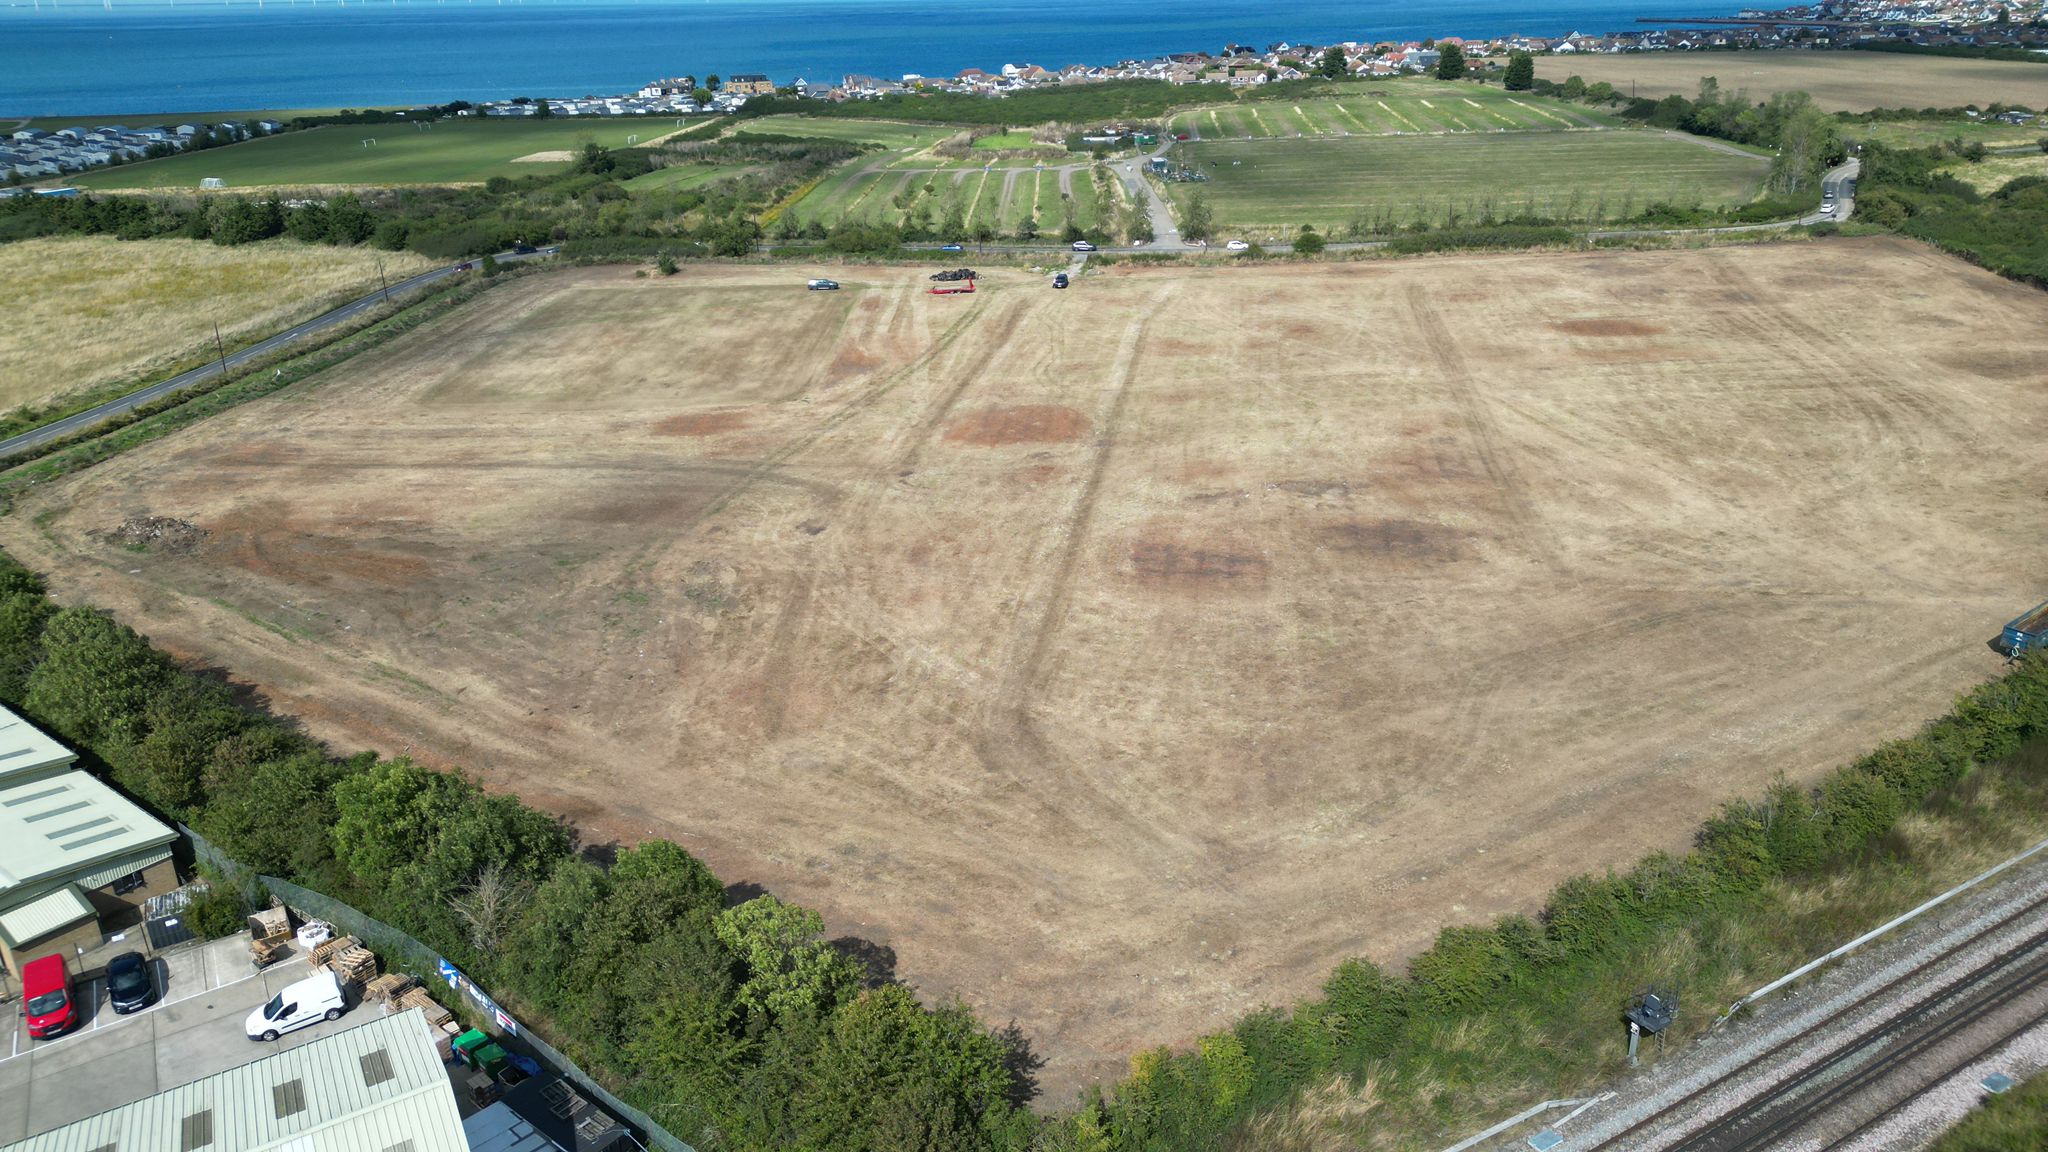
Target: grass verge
x,y
2016,1121
257,378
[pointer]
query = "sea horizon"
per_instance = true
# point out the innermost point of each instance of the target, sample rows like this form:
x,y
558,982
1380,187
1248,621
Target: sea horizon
x,y
115,57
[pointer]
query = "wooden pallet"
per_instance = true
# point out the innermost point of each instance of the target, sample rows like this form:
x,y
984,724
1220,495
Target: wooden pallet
x,y
330,946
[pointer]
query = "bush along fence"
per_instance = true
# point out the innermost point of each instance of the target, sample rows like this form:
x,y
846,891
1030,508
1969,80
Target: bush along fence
x,y
401,952
738,1026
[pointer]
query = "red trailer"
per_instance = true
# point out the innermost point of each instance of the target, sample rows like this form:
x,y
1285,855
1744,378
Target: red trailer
x,y
953,288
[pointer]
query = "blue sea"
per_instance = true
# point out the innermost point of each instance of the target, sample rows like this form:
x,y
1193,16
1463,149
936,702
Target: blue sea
x,y
104,57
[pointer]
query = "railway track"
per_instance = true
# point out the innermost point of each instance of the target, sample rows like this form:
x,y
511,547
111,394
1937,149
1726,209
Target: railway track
x,y
1777,1110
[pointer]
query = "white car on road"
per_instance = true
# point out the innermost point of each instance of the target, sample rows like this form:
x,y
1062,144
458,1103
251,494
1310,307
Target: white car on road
x,y
1238,245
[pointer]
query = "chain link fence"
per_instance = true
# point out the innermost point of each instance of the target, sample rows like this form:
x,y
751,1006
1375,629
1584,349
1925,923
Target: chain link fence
x,y
400,952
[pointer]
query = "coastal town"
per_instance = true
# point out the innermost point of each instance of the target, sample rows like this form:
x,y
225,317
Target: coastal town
x,y
35,153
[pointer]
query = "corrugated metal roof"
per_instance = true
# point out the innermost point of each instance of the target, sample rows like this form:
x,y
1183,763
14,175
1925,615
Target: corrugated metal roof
x,y
342,1113
499,1129
120,868
56,827
26,749
38,918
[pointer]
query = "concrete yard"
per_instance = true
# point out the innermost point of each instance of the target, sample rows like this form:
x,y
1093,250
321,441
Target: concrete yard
x,y
193,1031
1125,657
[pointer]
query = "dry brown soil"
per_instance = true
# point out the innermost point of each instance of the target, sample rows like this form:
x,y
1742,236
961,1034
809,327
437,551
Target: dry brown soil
x,y
1838,81
1125,657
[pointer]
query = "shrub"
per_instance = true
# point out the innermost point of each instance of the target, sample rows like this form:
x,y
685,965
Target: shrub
x,y
216,910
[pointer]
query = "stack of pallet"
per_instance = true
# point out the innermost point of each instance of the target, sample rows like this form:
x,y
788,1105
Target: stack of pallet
x,y
353,964
330,946
387,988
417,997
444,1040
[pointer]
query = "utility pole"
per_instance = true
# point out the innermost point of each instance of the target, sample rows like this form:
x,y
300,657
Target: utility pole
x,y
220,348
382,280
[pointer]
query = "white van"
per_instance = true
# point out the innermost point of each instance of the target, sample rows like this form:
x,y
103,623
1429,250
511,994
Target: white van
x,y
317,997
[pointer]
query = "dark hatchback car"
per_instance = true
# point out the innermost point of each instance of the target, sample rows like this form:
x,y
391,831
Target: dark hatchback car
x,y
1060,281
130,987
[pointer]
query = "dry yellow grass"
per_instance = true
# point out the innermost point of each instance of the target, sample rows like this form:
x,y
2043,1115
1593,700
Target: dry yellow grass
x,y
1839,81
87,310
1993,172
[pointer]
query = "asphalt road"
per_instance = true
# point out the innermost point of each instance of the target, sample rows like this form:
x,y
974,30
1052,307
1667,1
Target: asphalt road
x,y
37,437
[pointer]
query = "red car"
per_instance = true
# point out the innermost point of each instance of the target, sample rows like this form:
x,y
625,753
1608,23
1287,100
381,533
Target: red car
x,y
46,994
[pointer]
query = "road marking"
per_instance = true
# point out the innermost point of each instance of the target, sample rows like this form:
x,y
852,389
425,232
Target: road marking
x,y
49,1044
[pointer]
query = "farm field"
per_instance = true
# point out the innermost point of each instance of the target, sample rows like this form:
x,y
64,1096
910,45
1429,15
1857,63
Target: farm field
x,y
1921,133
89,310
1107,680
1272,187
451,152
1399,107
1838,81
1002,197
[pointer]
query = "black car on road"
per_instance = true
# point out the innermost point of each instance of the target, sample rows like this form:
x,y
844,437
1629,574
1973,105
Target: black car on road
x,y
130,986
1060,281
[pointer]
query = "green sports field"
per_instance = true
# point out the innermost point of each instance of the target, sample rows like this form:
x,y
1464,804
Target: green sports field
x,y
1269,188
1392,108
451,152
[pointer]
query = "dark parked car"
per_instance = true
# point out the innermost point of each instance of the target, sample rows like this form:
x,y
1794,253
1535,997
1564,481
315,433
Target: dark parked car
x,y
524,249
1060,281
130,987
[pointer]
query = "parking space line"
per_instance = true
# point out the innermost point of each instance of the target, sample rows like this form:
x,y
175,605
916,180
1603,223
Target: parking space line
x,y
146,1012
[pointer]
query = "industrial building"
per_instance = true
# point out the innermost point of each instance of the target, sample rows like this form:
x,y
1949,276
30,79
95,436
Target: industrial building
x,y
377,1087
77,859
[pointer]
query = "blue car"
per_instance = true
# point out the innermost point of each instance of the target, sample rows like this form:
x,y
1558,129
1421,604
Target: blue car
x,y
949,248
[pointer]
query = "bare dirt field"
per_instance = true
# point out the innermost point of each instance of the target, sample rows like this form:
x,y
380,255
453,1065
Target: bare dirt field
x,y
1838,81
1125,657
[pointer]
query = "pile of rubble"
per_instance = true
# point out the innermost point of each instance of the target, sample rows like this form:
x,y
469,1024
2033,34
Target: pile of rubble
x,y
159,534
955,274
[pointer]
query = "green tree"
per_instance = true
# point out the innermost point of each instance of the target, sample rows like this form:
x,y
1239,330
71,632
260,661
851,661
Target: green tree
x,y
712,82
889,1074
1333,65
489,265
1308,242
260,803
95,679
1450,63
348,221
1028,229
541,111
790,968
22,617
665,264
595,159
1196,222
1521,74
